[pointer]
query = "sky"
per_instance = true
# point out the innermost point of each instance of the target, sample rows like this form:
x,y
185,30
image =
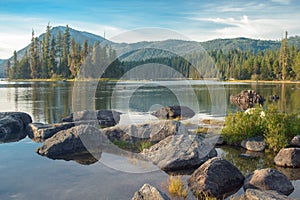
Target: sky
x,y
198,20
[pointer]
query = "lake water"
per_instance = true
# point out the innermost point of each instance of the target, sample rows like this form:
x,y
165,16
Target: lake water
x,y
26,175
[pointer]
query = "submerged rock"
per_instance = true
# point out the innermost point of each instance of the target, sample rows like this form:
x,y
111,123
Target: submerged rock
x,y
269,179
13,126
288,157
72,142
148,192
105,118
253,194
174,112
254,144
179,152
217,177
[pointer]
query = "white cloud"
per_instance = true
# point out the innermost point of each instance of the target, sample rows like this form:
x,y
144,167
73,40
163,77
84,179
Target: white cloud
x,y
282,1
252,28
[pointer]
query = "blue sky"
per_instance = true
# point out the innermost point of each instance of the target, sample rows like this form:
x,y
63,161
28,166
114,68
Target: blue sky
x,y
197,20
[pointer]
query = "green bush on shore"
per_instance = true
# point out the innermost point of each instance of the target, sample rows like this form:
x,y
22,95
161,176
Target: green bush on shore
x,y
277,128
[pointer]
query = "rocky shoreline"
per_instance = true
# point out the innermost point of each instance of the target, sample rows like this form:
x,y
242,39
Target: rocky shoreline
x,y
168,144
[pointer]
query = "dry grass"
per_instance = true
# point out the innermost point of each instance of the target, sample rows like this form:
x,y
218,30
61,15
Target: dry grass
x,y
176,188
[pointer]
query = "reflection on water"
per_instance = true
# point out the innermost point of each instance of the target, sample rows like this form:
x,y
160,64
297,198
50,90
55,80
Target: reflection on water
x,y
45,101
51,101
236,157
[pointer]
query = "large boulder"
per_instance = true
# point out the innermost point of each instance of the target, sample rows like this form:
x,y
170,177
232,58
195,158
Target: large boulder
x,y
253,194
105,118
247,99
295,142
179,152
76,141
217,177
288,157
174,112
254,144
148,192
268,179
152,132
13,126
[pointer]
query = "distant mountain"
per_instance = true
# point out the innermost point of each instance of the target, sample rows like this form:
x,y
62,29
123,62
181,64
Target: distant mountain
x,y
79,37
136,51
242,44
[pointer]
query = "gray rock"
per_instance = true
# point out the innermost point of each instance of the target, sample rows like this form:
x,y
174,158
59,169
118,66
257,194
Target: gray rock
x,y
254,144
152,132
148,192
253,194
268,179
288,157
13,126
295,142
76,141
174,112
180,152
217,178
39,132
105,118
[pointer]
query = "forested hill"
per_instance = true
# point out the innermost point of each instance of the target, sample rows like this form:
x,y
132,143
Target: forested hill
x,y
232,56
243,44
247,44
79,37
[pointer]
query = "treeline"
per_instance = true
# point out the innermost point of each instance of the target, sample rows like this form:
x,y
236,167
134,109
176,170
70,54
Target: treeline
x,y
61,57
270,64
278,64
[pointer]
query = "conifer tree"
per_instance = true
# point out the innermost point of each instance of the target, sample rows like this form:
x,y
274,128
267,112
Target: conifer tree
x,y
284,57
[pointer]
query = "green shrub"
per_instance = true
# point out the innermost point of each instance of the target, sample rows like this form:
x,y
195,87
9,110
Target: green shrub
x,y
241,125
144,145
280,128
277,128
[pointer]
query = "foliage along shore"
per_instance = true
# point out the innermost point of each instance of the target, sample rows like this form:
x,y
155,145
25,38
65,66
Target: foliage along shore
x,y
115,80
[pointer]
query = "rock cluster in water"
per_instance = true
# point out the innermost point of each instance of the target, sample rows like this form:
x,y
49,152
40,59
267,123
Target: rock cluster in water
x,y
247,99
172,147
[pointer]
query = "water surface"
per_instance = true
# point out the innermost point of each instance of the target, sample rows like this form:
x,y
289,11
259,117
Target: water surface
x,y
26,175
